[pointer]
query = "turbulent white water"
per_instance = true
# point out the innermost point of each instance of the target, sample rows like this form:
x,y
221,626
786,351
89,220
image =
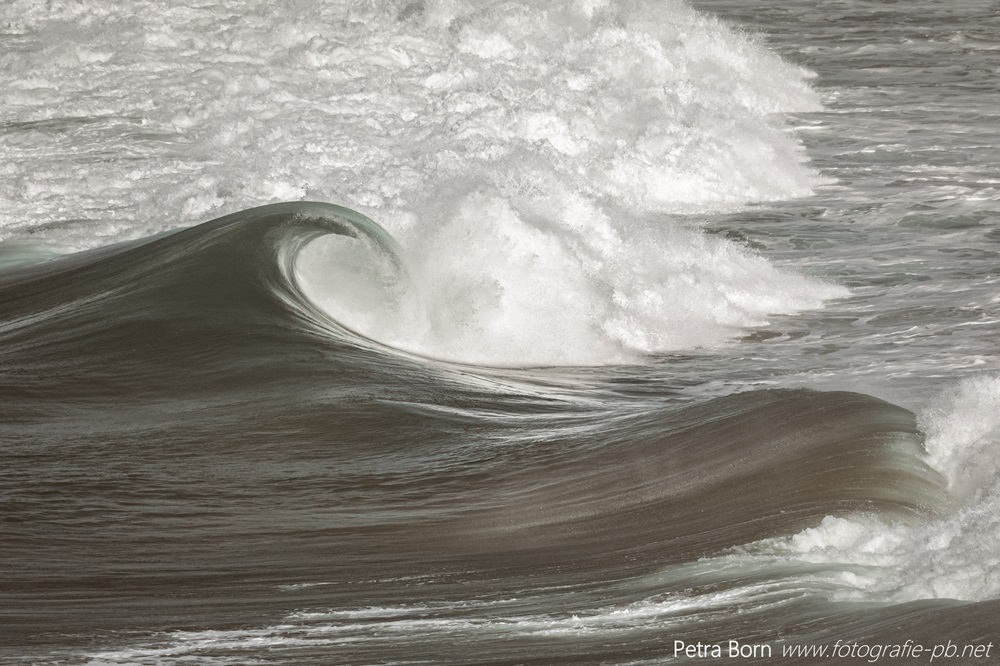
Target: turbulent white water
x,y
527,156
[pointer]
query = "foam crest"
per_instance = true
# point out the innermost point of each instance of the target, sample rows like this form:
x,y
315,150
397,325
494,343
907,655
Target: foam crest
x,y
496,286
963,433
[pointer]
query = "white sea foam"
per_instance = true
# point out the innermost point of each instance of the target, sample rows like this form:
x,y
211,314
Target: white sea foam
x,y
490,289
526,156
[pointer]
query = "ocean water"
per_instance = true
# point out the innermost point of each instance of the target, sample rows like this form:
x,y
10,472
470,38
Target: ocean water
x,y
438,332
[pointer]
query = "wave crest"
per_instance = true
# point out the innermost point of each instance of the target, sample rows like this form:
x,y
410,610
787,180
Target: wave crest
x,y
528,157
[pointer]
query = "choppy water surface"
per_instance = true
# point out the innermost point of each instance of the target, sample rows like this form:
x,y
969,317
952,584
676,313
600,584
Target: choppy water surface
x,y
624,324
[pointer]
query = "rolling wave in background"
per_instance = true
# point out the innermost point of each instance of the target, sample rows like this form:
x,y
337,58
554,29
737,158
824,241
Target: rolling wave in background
x,y
589,358
524,156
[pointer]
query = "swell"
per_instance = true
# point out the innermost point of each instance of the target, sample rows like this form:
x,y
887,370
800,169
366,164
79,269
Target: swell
x,y
178,417
673,484
209,321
